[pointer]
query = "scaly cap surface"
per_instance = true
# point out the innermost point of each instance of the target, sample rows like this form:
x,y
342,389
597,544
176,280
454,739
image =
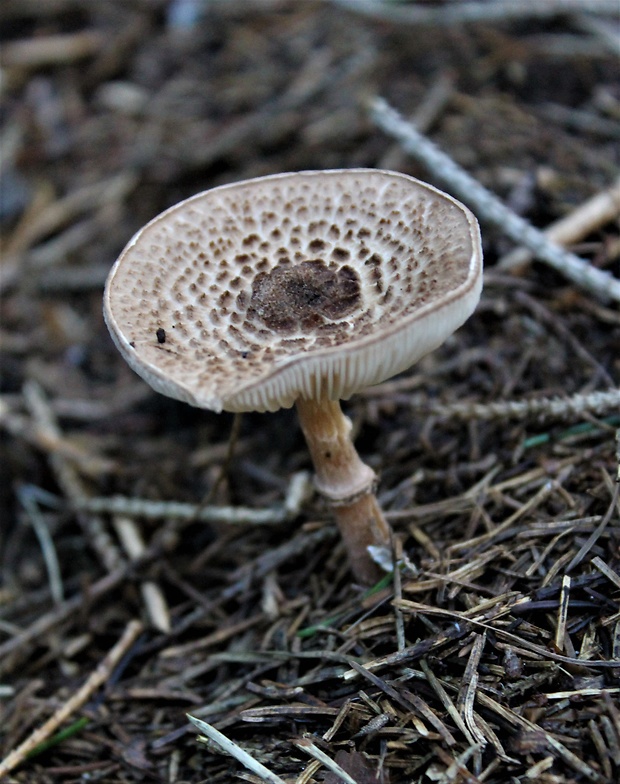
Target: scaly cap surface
x,y
250,295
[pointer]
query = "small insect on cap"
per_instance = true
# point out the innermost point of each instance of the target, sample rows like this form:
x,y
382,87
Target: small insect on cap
x,y
310,284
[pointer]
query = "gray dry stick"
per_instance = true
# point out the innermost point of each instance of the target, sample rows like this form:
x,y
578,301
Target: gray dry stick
x,y
490,208
461,12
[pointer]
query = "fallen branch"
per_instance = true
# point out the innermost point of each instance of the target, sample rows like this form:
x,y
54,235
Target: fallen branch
x,y
594,213
539,409
489,207
475,11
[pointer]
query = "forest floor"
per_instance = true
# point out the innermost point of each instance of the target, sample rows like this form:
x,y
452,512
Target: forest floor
x,y
492,653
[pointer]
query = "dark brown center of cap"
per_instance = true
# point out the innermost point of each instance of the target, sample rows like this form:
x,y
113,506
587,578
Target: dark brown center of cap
x,y
304,296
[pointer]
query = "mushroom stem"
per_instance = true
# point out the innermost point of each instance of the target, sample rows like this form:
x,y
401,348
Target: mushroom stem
x,y
346,482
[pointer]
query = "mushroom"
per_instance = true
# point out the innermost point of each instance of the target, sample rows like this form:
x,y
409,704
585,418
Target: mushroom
x,y
299,288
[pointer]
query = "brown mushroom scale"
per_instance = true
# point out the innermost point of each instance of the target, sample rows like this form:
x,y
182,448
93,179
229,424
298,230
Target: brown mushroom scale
x,y
298,288
306,296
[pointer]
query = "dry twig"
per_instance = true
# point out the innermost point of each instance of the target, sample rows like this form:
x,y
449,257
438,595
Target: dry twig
x,y
232,748
583,220
490,208
471,11
96,679
231,515
536,409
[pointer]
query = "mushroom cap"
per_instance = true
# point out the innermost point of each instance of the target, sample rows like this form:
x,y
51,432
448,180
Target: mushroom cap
x,y
308,284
